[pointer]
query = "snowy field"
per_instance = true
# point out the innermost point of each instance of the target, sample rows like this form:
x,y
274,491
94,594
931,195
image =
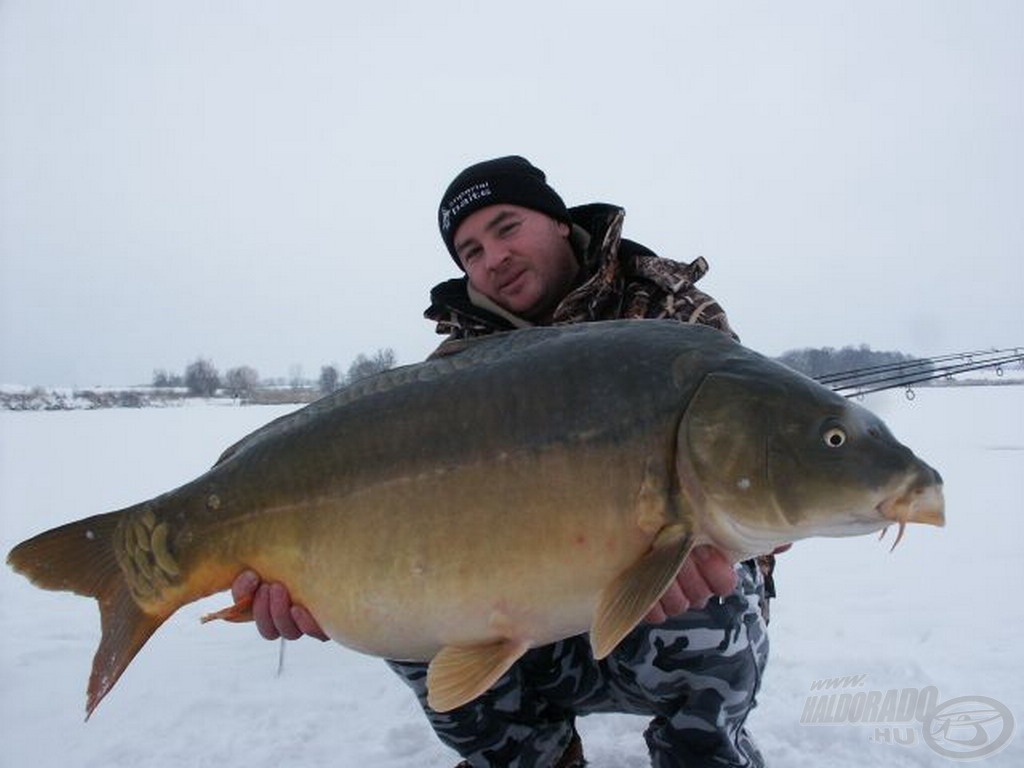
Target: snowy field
x,y
940,614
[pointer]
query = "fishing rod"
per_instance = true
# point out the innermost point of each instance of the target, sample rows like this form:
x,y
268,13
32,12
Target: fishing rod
x,y
864,381
918,366
909,363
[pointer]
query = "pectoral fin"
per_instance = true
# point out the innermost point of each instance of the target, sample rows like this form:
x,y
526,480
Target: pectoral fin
x,y
634,592
239,612
457,675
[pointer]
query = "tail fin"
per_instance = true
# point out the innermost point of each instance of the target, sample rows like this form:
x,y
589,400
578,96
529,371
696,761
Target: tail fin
x,y
79,557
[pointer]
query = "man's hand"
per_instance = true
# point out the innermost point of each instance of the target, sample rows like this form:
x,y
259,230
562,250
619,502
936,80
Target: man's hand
x,y
273,611
705,572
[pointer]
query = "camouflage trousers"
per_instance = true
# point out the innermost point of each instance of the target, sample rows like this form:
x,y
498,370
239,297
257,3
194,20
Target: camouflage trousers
x,y
697,675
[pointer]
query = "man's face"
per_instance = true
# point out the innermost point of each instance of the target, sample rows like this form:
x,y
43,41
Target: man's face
x,y
519,258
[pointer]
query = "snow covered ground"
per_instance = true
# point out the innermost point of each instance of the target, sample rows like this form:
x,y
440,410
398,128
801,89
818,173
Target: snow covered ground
x,y
939,616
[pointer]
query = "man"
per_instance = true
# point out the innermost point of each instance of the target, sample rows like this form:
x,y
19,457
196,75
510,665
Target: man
x,y
695,666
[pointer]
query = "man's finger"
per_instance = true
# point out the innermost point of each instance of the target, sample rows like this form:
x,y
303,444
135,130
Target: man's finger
x,y
261,613
307,624
715,570
244,585
656,615
674,602
693,585
281,612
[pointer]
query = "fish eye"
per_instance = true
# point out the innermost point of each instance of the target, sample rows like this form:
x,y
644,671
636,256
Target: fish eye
x,y
834,437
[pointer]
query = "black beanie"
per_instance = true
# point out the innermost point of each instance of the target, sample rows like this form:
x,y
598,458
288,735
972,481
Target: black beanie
x,y
512,180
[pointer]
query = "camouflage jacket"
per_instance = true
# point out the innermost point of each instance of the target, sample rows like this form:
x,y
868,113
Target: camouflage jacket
x,y
620,279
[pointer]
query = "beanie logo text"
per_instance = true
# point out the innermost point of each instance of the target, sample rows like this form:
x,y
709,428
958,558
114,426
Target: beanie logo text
x,y
465,197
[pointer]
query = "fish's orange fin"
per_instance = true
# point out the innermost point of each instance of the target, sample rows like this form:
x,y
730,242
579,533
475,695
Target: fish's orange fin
x,y
240,612
457,675
79,557
634,592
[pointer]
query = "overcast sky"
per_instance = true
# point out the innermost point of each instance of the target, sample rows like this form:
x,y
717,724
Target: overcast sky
x,y
256,182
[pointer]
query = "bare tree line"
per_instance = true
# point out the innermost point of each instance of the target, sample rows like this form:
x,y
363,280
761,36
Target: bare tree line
x,y
203,379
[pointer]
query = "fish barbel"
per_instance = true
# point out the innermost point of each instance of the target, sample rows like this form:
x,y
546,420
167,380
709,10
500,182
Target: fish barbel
x,y
524,488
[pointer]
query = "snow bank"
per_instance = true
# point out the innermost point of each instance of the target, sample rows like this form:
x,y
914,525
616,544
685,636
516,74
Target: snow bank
x,y
940,611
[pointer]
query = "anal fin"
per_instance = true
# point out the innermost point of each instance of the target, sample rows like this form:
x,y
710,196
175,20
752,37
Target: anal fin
x,y
458,674
627,599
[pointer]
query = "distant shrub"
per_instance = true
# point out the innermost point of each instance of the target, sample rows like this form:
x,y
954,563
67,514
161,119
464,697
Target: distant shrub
x,y
166,380
242,381
363,366
330,379
202,379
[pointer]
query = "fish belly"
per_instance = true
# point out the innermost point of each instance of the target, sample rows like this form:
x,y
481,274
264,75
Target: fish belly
x,y
465,557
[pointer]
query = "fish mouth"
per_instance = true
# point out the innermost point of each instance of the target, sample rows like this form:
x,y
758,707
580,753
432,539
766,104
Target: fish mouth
x,y
921,503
